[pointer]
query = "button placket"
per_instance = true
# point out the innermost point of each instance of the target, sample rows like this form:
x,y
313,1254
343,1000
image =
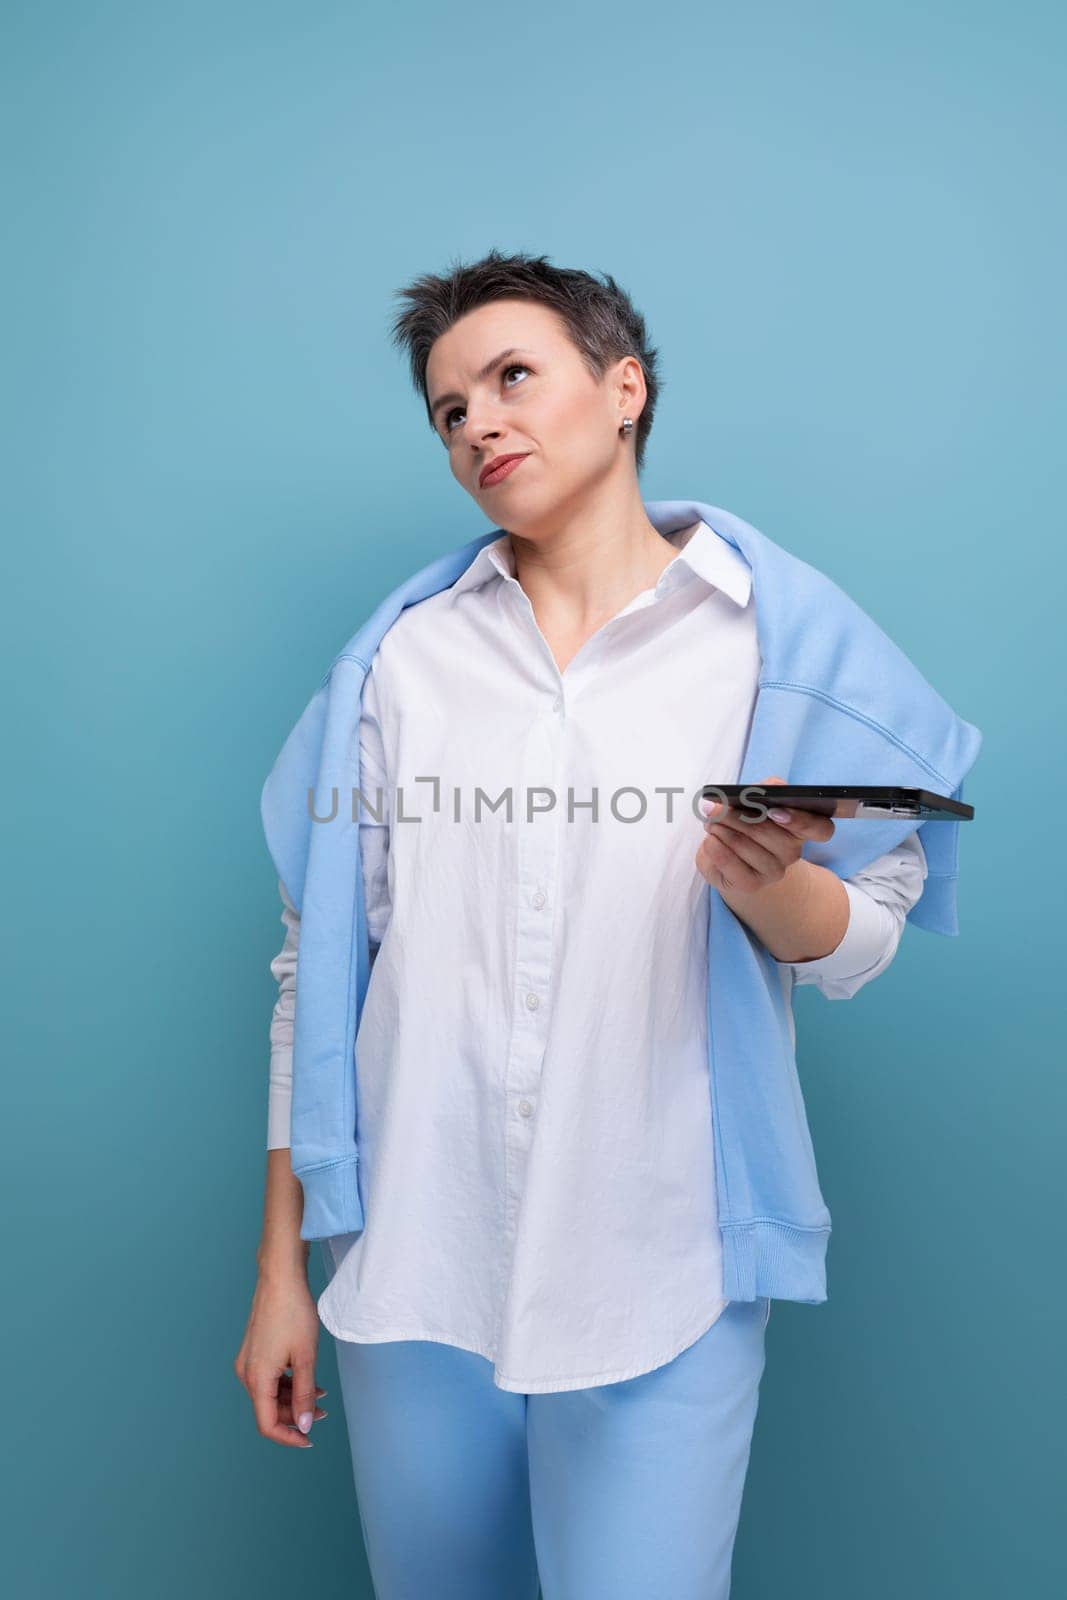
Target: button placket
x,y
537,857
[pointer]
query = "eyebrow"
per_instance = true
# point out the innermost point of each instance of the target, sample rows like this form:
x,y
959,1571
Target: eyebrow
x,y
487,370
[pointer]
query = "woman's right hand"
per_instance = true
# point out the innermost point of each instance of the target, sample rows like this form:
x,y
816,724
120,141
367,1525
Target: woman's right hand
x,y
282,1337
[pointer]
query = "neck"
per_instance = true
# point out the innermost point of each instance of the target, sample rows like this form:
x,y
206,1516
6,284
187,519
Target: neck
x,y
591,563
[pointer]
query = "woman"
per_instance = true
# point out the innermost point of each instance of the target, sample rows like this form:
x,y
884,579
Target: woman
x,y
549,1366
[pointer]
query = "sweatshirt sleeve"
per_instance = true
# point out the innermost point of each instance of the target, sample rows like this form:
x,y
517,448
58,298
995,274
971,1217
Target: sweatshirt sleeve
x,y
374,857
880,898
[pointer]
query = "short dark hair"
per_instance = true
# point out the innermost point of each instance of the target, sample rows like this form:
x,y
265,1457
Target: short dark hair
x,y
599,316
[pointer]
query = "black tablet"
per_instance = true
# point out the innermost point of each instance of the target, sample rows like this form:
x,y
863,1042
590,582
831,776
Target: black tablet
x,y
839,800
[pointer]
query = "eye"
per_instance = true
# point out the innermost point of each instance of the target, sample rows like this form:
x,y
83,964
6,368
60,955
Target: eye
x,y
516,366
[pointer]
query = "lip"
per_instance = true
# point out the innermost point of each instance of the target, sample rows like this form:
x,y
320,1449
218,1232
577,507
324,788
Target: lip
x,y
498,469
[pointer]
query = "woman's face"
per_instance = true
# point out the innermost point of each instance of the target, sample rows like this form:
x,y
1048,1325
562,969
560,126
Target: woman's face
x,y
540,401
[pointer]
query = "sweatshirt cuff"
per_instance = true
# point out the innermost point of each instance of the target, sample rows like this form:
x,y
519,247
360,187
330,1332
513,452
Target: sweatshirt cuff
x,y
331,1199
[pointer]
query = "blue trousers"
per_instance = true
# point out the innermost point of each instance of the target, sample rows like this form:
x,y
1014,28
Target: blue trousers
x,y
624,1491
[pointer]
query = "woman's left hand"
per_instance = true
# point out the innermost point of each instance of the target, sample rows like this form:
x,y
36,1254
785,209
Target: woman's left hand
x,y
741,857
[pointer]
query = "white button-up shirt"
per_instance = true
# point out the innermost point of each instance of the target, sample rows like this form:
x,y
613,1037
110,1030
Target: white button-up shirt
x,y
534,1108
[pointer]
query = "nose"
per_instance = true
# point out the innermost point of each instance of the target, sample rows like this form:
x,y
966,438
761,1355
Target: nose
x,y
481,427
481,418
481,438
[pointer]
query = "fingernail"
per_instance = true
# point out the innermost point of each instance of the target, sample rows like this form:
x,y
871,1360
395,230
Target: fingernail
x,y
781,816
304,1421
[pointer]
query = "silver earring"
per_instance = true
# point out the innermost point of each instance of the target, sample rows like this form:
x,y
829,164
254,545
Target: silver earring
x,y
627,424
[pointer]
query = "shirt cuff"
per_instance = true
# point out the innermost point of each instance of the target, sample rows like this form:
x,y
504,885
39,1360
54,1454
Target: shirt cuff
x,y
870,938
279,1101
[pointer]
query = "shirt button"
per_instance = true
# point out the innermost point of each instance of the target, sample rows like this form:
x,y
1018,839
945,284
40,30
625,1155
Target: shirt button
x,y
532,1002
557,704
538,900
526,1108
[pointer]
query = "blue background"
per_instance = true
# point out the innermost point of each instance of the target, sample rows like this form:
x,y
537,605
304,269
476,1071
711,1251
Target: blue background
x,y
844,224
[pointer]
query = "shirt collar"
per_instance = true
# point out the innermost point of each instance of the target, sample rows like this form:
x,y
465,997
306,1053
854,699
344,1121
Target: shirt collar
x,y
701,553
